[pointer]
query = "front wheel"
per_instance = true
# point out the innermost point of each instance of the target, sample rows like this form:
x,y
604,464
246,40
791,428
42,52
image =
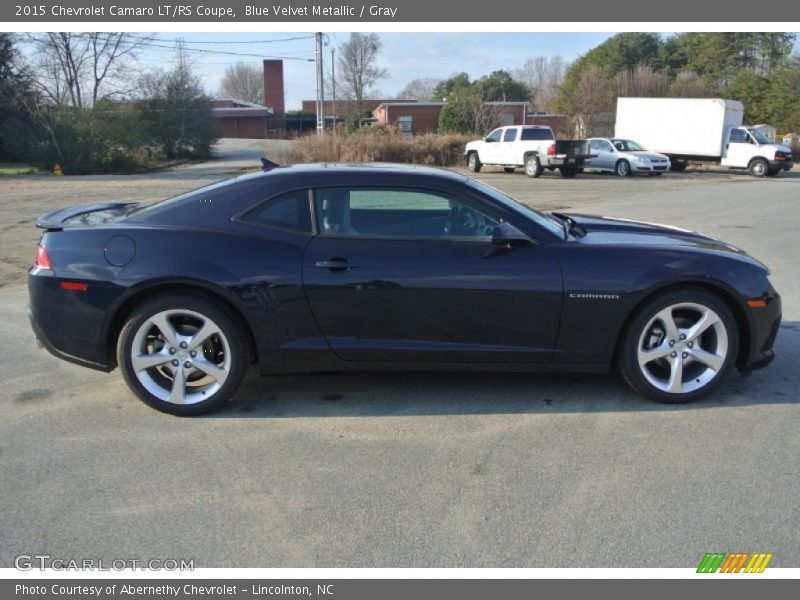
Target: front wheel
x,y
759,168
533,167
183,353
474,162
679,346
623,169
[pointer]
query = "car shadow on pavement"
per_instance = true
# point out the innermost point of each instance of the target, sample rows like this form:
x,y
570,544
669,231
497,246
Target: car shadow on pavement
x,y
425,393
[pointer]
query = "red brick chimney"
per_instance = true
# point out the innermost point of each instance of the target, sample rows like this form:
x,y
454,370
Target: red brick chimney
x,y
273,86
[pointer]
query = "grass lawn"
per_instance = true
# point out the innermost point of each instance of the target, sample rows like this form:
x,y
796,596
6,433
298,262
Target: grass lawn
x,y
17,169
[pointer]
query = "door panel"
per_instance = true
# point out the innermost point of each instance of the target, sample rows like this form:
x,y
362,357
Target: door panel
x,y
433,299
738,149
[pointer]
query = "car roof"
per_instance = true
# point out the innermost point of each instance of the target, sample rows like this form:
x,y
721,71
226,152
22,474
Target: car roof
x,y
367,169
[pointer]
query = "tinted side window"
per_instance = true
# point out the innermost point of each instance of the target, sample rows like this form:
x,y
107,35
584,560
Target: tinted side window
x,y
510,135
494,136
287,211
537,134
399,213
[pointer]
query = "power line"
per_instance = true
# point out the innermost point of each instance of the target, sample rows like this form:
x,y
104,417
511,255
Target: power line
x,y
145,42
272,41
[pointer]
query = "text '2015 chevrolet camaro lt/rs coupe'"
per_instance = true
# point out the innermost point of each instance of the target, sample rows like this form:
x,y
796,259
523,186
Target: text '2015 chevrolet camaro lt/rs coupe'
x,y
383,267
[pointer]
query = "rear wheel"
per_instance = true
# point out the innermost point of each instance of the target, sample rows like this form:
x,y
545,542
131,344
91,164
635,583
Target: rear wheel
x,y
183,353
678,166
474,162
759,167
679,346
623,168
533,168
568,172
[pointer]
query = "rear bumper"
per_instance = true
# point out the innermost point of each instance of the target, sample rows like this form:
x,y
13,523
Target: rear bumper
x,y
764,326
562,160
69,324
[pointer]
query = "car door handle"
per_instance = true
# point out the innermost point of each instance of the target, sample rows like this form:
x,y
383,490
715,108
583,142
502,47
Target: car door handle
x,y
335,264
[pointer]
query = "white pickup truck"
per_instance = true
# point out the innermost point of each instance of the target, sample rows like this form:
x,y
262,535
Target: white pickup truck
x,y
531,146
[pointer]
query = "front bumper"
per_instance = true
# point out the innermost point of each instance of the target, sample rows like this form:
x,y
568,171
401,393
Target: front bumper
x,y
651,168
781,165
764,324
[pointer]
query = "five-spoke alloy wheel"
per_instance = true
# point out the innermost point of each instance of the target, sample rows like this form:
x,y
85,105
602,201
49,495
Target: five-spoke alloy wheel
x,y
183,354
679,346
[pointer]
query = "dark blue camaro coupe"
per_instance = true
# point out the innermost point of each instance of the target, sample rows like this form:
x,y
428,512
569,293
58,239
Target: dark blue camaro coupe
x,y
355,267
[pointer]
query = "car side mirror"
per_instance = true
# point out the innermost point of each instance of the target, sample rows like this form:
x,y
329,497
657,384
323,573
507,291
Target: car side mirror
x,y
505,235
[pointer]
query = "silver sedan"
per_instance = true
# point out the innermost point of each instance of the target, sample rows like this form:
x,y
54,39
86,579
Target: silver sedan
x,y
625,157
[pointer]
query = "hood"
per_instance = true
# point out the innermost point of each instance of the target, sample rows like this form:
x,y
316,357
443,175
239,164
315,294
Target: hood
x,y
645,154
606,230
85,215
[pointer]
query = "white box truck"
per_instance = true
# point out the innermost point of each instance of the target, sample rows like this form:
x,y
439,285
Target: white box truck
x,y
700,129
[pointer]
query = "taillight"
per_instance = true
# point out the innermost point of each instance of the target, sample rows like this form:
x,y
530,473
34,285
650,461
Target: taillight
x,y
551,150
41,259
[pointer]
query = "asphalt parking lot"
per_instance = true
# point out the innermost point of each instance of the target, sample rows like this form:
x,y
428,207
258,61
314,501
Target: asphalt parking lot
x,y
409,470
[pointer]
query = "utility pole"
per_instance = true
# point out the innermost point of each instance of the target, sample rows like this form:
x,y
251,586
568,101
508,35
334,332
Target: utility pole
x,y
333,84
320,88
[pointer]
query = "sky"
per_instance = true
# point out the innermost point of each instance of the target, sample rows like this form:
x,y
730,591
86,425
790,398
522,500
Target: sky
x,y
405,56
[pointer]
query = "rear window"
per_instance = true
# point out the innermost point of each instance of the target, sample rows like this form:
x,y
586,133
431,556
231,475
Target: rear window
x,y
537,134
288,211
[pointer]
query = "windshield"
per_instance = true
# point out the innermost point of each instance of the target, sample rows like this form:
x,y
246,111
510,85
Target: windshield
x,y
627,146
759,136
551,224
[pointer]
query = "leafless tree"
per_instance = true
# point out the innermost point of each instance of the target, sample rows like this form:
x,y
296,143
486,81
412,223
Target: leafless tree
x,y
543,75
78,69
592,104
357,69
642,81
420,89
688,84
243,81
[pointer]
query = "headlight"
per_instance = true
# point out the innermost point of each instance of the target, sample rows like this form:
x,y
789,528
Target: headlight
x,y
643,160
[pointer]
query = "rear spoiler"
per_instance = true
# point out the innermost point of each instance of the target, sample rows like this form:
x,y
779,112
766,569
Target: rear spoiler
x,y
57,218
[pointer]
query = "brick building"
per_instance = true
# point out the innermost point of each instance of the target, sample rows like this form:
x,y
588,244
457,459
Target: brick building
x,y
235,118
238,119
423,117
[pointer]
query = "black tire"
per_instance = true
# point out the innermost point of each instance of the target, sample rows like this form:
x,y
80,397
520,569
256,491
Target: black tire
x,y
623,168
533,167
568,172
509,169
641,327
678,166
191,311
474,162
759,167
